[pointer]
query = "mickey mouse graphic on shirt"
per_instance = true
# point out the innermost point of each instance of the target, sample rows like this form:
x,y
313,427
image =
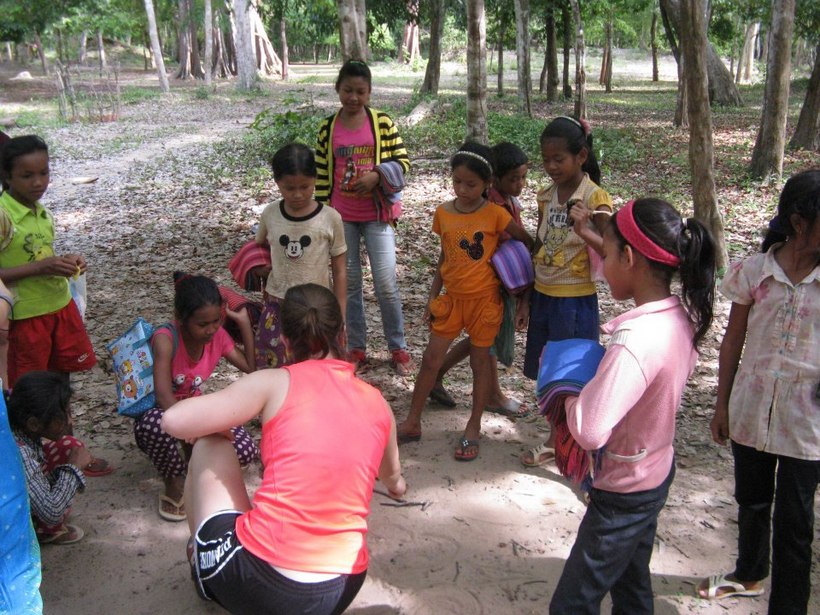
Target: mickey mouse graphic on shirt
x,y
474,250
294,248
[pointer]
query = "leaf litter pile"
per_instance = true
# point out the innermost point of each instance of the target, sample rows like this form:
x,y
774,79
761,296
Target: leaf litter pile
x,y
163,189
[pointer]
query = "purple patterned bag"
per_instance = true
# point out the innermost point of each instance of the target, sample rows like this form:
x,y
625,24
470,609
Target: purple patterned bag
x,y
513,264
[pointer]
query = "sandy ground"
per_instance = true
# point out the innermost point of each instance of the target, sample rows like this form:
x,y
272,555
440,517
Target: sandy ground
x,y
494,535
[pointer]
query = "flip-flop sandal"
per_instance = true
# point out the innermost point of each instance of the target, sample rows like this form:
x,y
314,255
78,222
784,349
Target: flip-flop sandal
x,y
409,436
719,581
439,394
541,454
98,467
179,505
67,535
510,408
461,453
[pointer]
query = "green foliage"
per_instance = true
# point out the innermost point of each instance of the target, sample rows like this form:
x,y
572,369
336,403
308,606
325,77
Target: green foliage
x,y
273,127
130,94
381,41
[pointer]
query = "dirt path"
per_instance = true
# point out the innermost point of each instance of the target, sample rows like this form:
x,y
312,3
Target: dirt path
x,y
495,535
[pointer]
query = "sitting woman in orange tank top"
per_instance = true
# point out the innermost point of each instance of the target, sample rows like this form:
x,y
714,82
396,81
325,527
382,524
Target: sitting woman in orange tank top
x,y
300,546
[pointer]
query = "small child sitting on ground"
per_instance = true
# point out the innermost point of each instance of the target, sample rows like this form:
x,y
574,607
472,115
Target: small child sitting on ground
x,y
38,409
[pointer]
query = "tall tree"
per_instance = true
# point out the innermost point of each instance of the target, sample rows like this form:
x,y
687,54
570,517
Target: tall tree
x,y
580,56
701,153
551,57
409,49
522,54
352,31
807,134
243,39
566,27
654,43
476,71
433,71
767,156
722,88
188,50
156,48
209,43
746,57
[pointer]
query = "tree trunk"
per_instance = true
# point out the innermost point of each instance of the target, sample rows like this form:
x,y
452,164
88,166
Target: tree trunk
x,y
9,52
267,61
83,53
580,69
522,54
58,35
209,43
807,134
409,48
608,64
433,71
38,43
243,39
361,28
155,46
476,72
551,60
188,50
283,41
767,156
502,30
196,61
722,88
349,36
653,33
101,51
566,23
681,115
701,154
746,58
764,47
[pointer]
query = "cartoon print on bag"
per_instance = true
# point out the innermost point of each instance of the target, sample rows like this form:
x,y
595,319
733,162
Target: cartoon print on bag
x,y
474,250
294,248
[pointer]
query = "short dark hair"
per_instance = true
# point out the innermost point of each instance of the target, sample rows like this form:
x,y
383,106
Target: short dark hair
x,y
508,156
577,137
192,292
293,159
354,68
477,157
40,395
801,196
15,147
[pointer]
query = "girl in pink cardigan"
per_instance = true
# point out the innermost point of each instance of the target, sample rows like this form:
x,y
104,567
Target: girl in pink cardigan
x,y
626,413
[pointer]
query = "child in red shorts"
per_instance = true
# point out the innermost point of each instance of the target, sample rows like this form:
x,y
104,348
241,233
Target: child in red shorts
x,y
47,332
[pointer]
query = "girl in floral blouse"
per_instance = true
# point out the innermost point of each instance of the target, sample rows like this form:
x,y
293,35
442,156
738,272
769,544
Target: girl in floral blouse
x,y
768,405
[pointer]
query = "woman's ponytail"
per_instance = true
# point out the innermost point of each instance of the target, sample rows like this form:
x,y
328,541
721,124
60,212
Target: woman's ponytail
x,y
697,274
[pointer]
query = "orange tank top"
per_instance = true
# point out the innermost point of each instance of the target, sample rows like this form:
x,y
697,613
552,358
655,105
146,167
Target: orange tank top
x,y
322,453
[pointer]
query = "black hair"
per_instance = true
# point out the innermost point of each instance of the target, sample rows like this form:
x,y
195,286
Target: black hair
x,y
692,243
13,149
354,68
801,196
508,156
312,321
476,157
293,159
43,396
577,138
192,292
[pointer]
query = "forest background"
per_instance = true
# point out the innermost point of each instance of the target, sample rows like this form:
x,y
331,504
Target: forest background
x,y
145,182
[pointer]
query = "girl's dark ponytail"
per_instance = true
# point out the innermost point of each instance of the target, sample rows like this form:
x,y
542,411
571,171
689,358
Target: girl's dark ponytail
x,y
697,274
590,167
686,248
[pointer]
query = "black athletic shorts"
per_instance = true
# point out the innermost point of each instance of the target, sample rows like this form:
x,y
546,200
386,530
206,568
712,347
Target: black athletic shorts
x,y
227,573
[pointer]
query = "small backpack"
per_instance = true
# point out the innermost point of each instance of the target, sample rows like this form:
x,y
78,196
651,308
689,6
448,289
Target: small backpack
x,y
134,367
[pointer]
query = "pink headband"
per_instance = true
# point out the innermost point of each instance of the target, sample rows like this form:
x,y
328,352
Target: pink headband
x,y
625,220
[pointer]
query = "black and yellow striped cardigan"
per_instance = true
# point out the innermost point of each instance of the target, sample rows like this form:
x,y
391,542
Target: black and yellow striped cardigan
x,y
389,146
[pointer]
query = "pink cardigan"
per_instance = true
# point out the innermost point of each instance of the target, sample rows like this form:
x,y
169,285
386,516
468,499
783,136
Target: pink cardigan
x,y
630,404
